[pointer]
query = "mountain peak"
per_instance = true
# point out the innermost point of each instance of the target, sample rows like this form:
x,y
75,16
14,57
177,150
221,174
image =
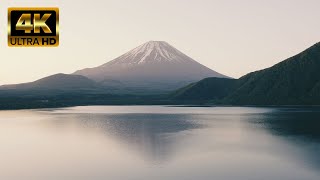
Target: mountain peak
x,y
156,42
151,52
152,65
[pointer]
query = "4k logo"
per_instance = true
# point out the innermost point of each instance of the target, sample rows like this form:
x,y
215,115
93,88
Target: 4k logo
x,y
33,27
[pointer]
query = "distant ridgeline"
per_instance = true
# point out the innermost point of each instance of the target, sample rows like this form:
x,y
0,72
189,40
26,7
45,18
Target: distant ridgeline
x,y
295,81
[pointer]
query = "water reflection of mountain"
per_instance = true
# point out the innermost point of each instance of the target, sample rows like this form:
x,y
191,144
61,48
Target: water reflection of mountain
x,y
300,126
302,122
152,135
159,137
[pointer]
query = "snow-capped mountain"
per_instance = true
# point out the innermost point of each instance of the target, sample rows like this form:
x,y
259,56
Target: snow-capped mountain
x,y
153,65
151,52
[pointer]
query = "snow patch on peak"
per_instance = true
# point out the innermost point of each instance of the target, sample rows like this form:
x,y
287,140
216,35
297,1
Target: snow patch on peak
x,y
151,52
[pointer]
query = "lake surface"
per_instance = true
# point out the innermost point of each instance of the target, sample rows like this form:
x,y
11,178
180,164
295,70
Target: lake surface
x,y
159,142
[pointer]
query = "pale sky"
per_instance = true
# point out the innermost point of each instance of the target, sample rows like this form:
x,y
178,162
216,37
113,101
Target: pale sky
x,y
233,37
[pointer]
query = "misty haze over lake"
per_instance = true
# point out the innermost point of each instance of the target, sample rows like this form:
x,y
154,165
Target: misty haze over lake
x,y
160,142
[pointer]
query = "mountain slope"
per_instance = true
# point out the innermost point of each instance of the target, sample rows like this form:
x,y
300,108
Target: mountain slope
x,y
153,65
55,82
295,81
206,89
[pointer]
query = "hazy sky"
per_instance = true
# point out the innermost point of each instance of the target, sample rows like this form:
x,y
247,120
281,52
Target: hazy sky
x,y
232,37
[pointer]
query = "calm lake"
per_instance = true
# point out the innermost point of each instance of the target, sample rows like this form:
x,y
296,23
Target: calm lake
x,y
160,143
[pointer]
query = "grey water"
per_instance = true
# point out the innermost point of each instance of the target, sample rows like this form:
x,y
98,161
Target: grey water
x,y
161,142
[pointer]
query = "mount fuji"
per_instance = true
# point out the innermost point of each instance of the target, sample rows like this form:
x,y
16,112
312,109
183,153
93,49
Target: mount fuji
x,y
155,65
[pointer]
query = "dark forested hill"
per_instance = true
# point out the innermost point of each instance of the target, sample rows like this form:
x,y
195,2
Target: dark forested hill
x,y
206,89
295,81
